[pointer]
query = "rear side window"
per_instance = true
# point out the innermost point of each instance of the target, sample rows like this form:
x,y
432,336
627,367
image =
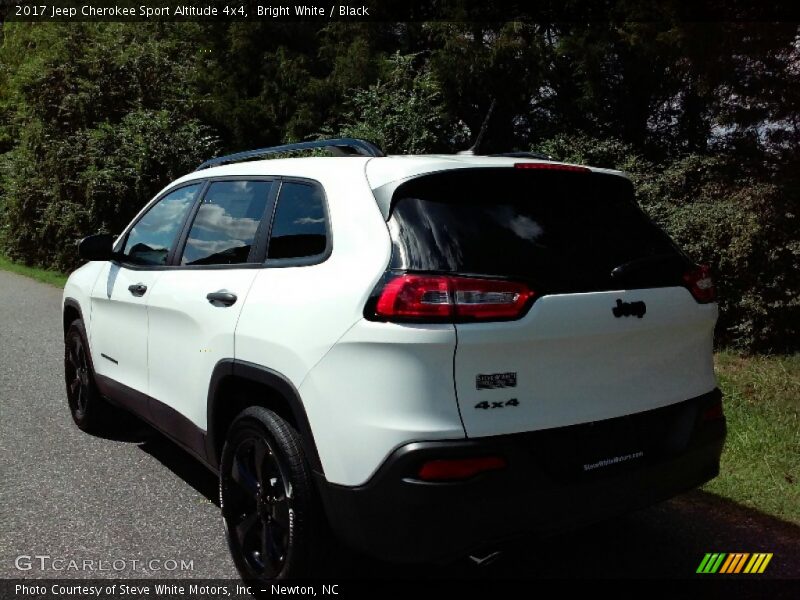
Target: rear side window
x,y
559,231
154,236
225,226
300,228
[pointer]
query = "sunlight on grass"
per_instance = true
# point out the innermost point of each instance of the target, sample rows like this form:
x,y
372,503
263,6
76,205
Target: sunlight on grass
x,y
43,275
761,462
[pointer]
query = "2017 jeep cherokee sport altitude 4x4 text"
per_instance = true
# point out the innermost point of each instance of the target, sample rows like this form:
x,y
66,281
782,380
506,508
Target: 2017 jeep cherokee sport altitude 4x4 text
x,y
423,355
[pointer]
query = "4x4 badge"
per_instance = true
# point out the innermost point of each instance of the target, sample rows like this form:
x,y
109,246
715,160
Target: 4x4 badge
x,y
626,309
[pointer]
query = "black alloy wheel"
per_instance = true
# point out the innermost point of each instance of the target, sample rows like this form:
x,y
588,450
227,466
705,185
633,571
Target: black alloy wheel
x,y
76,369
258,503
90,411
270,508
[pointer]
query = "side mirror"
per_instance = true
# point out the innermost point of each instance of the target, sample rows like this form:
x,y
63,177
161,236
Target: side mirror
x,y
97,247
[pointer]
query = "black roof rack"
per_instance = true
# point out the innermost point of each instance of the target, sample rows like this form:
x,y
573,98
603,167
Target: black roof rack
x,y
338,146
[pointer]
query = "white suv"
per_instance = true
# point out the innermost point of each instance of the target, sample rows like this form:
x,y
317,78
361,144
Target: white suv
x,y
421,356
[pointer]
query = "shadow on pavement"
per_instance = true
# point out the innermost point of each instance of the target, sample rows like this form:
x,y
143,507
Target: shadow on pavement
x,y
183,465
132,429
666,540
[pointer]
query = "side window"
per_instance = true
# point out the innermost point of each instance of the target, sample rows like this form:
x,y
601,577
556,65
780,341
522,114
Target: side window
x,y
299,228
226,223
154,235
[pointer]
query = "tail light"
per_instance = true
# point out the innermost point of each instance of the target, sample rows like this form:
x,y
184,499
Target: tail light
x,y
444,298
459,468
698,281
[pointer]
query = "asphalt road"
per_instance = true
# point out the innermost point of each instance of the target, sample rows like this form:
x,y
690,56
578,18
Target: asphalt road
x,y
74,497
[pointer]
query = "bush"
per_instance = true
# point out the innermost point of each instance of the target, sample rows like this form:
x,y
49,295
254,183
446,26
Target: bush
x,y
101,123
93,181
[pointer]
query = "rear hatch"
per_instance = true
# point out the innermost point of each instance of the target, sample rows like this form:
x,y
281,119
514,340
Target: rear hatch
x,y
610,328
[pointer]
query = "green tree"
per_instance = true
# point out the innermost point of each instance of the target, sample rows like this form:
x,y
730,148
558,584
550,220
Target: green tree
x,y
96,117
402,112
102,118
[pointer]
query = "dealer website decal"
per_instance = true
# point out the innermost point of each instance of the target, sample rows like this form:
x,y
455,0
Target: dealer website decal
x,y
493,381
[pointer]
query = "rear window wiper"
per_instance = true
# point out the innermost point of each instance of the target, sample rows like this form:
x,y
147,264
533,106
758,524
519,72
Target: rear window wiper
x,y
672,262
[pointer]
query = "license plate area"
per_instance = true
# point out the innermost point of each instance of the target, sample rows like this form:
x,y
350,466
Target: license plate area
x,y
604,448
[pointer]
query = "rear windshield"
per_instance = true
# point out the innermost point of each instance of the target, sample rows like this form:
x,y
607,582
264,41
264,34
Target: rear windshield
x,y
560,231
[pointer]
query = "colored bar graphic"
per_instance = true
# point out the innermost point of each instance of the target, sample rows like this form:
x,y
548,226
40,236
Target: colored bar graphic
x,y
734,563
716,565
703,563
749,567
768,557
741,562
757,564
730,562
720,562
710,563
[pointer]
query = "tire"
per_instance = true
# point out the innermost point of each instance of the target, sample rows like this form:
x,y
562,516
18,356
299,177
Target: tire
x,y
90,411
273,519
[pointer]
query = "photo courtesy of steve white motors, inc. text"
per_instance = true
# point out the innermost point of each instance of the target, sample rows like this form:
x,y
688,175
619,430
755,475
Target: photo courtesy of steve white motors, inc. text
x,y
139,590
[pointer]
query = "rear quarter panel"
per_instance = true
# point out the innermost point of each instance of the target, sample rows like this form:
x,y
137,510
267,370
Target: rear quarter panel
x,y
294,315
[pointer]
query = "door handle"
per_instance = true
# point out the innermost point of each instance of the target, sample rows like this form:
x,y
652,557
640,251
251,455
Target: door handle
x,y
221,298
137,289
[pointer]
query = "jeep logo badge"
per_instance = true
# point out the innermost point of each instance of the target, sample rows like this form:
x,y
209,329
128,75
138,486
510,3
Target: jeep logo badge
x,y
626,309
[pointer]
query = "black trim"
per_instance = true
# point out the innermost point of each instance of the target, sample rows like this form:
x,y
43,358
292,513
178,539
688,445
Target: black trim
x,y
252,372
203,444
72,303
177,252
340,146
180,429
259,250
107,357
164,418
222,370
124,396
396,516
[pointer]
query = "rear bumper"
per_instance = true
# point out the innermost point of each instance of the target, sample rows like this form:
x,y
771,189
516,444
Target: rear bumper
x,y
545,487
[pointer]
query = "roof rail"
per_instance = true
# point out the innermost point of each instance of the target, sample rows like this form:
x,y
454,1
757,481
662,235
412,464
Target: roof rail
x,y
338,146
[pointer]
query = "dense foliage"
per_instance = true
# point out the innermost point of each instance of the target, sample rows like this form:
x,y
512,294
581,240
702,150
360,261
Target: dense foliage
x,y
95,118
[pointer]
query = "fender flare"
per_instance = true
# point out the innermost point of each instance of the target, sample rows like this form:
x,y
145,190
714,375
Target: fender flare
x,y
247,371
72,303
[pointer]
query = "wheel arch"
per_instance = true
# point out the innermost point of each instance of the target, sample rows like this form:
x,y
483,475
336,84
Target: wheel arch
x,y
70,312
234,386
